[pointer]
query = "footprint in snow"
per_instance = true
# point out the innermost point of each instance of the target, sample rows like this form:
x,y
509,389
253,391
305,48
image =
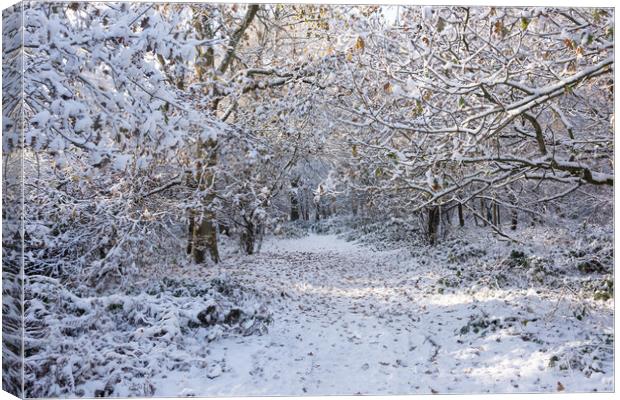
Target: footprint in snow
x,y
187,392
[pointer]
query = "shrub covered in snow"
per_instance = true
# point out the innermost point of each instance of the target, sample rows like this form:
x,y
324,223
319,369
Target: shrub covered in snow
x,y
116,344
294,229
379,234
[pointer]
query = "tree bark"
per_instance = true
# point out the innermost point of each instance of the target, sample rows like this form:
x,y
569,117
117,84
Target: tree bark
x,y
190,232
461,217
306,207
496,214
513,212
248,238
294,195
205,239
306,204
205,231
489,208
433,224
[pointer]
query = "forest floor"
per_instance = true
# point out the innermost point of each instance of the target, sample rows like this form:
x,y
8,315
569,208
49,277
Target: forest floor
x,y
351,320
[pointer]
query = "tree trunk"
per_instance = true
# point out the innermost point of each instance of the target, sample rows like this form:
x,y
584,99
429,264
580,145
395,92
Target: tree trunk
x,y
496,217
448,216
294,201
461,217
205,232
513,212
484,223
190,232
205,239
294,207
306,208
433,224
305,202
360,205
248,238
490,217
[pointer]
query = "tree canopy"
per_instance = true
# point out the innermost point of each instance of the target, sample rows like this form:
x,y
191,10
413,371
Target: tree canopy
x,y
141,117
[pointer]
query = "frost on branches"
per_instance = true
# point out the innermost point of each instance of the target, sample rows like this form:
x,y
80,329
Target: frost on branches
x,y
161,162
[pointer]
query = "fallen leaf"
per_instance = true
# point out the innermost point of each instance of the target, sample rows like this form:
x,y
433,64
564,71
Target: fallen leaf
x,y
359,44
388,88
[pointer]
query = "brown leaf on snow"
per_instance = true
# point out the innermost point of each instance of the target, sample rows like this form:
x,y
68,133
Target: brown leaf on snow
x,y
388,88
359,44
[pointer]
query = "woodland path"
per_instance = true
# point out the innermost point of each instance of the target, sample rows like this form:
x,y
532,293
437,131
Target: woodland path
x,y
348,320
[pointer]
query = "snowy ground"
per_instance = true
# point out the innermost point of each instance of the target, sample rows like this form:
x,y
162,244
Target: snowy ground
x,y
348,320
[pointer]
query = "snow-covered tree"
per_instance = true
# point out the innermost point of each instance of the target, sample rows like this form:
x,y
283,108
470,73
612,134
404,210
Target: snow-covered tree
x,y
456,104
